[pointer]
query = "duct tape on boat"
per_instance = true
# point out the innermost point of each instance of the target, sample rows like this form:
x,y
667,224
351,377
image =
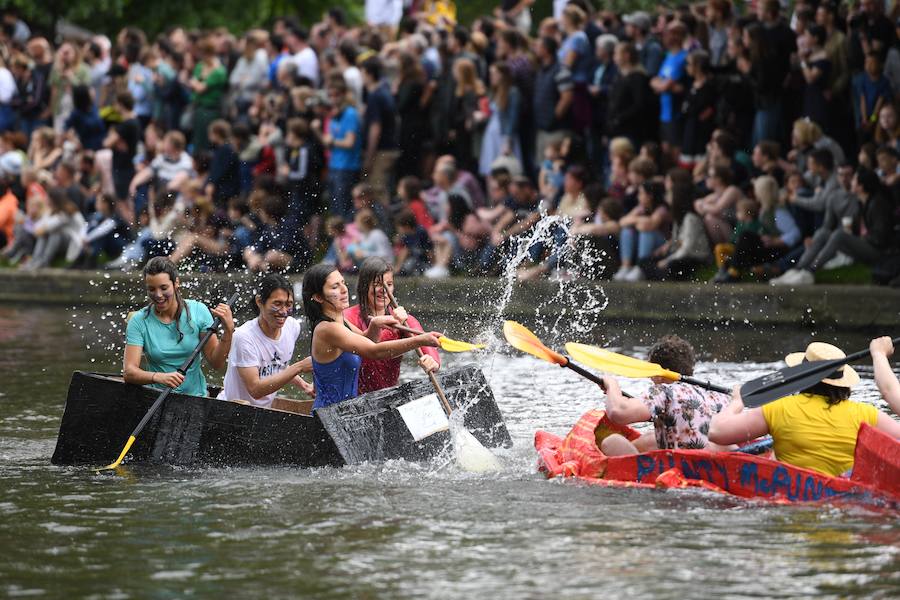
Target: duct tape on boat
x,y
424,417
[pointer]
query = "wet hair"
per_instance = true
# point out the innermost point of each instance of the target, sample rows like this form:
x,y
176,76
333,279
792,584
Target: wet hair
x,y
833,394
269,285
314,283
371,271
673,353
157,266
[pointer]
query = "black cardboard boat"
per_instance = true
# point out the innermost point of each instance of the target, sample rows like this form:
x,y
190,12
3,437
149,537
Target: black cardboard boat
x,y
101,410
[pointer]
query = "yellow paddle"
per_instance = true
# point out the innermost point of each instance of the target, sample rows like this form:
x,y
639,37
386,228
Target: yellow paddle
x,y
521,338
446,343
627,366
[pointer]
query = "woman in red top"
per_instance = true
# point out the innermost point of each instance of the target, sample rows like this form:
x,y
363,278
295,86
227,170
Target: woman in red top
x,y
374,275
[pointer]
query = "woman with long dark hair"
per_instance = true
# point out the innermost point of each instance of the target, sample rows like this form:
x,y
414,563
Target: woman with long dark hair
x,y
687,248
339,347
501,134
168,329
815,429
375,277
259,363
409,95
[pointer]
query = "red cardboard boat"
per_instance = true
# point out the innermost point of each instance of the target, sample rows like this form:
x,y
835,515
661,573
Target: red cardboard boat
x,y
875,480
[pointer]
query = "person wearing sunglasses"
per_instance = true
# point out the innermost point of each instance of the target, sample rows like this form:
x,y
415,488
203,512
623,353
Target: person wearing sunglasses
x,y
259,363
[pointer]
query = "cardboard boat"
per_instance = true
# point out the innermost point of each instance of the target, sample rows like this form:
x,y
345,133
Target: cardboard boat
x,y
875,479
101,411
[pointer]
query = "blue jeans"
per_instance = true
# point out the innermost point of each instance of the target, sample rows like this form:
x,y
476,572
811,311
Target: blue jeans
x,y
340,187
645,242
767,124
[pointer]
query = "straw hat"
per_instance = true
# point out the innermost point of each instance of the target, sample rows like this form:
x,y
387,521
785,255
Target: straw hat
x,y
822,351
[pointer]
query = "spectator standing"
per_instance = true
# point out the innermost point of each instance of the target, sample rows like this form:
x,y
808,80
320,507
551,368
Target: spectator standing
x,y
379,130
670,84
467,100
553,96
649,51
344,139
208,83
630,100
501,133
409,93
68,71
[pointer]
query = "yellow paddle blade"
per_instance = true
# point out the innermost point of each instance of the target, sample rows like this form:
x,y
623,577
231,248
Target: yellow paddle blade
x,y
520,338
457,346
617,364
119,460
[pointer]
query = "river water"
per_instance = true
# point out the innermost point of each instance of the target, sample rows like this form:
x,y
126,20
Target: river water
x,y
396,530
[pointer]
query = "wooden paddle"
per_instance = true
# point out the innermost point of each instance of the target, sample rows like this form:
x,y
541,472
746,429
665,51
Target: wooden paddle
x,y
183,369
792,380
521,338
627,366
434,382
471,455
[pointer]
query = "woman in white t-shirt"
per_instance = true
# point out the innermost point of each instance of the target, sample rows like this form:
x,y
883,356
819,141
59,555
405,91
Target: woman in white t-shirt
x,y
259,363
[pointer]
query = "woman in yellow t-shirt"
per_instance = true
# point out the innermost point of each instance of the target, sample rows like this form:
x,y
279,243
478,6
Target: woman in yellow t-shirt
x,y
816,428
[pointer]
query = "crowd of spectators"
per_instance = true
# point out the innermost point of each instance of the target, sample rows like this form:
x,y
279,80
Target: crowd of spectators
x,y
763,141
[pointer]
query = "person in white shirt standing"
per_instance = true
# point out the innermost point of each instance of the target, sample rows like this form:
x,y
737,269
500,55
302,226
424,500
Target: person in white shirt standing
x,y
259,363
304,57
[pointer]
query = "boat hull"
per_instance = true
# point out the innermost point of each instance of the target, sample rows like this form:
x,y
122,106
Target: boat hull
x,y
875,481
101,412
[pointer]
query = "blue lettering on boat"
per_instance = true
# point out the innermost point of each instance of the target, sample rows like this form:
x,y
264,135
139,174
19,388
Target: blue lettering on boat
x,y
645,466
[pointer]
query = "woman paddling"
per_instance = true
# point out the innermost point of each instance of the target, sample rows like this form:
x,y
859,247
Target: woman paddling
x,y
816,428
168,330
259,363
375,274
339,347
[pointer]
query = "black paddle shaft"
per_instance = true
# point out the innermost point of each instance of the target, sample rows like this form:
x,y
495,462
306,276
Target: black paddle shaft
x,y
706,385
588,375
792,380
183,369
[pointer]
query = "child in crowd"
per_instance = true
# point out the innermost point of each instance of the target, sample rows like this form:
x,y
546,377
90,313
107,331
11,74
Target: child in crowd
x,y
550,178
413,244
343,236
409,194
372,240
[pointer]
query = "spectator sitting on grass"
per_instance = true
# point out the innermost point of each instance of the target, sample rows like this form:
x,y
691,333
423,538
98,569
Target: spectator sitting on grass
x,y
836,235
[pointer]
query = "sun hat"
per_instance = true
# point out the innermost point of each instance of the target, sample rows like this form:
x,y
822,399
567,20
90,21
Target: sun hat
x,y
843,376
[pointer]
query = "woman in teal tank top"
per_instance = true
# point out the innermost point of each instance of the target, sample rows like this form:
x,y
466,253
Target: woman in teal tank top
x,y
166,332
338,346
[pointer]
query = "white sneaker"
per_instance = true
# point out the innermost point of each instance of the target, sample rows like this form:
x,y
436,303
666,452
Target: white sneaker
x,y
635,274
805,278
840,260
785,278
621,273
437,272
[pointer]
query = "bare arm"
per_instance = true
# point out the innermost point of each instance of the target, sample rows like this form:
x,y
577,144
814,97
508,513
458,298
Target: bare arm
x,y
216,350
336,336
620,409
885,379
133,373
259,387
734,426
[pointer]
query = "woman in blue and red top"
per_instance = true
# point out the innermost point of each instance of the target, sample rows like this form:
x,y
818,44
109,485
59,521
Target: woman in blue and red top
x,y
338,346
374,275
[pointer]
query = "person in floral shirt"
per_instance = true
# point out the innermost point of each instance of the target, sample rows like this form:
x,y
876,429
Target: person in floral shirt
x,y
680,412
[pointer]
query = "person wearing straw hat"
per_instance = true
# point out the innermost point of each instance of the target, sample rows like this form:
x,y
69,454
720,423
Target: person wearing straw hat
x,y
815,429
